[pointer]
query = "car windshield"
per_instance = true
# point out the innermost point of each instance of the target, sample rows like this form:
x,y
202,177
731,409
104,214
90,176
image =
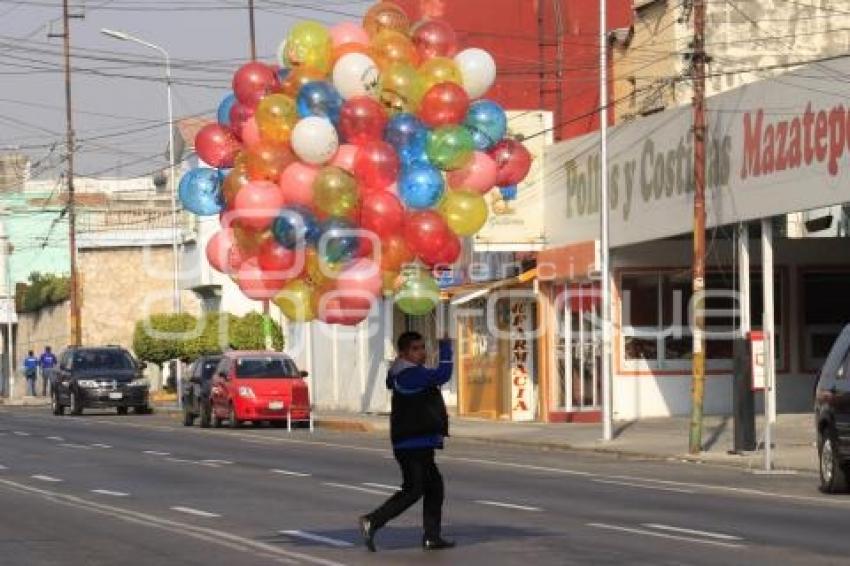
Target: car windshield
x,y
265,367
208,369
102,359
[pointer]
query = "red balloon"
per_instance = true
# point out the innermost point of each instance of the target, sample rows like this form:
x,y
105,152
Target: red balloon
x,y
444,104
425,232
434,38
239,116
216,145
376,165
255,284
382,213
345,157
253,81
218,250
513,161
347,309
362,119
257,204
446,254
277,261
237,257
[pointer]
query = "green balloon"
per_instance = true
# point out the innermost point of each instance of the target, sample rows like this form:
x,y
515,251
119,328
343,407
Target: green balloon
x,y
450,147
418,294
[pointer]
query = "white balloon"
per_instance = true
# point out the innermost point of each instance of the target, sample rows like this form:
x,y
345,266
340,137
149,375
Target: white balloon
x,y
314,140
478,70
356,74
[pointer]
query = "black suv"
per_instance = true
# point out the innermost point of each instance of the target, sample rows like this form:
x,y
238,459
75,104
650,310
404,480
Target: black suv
x,y
196,392
99,378
832,416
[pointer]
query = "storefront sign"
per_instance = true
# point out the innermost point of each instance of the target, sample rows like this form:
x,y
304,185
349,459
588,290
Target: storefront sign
x,y
522,362
774,147
516,213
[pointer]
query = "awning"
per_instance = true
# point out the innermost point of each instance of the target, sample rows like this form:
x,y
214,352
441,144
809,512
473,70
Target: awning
x,y
464,293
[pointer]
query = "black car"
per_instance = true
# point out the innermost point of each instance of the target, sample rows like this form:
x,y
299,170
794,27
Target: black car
x,y
99,378
832,416
196,391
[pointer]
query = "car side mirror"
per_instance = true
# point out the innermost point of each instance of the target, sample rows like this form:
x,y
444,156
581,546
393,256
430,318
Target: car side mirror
x,y
303,373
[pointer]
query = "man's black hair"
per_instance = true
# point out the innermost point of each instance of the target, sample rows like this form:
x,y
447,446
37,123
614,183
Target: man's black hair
x,y
407,339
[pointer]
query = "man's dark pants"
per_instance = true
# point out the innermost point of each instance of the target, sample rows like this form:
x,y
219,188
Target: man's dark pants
x,y
420,479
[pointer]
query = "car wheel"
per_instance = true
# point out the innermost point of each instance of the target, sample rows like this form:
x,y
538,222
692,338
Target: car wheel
x,y
76,404
58,409
143,410
122,410
205,415
188,417
833,473
232,421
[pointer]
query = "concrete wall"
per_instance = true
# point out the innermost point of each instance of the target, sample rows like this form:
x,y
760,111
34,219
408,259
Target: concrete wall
x,y
47,327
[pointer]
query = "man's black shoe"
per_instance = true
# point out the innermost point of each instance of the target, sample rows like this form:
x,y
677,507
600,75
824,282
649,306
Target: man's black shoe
x,y
367,532
438,543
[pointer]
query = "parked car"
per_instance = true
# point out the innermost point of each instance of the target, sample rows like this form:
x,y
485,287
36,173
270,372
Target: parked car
x,y
832,416
196,390
259,386
99,378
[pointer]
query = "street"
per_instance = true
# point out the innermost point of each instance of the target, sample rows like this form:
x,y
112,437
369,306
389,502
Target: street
x,y
102,489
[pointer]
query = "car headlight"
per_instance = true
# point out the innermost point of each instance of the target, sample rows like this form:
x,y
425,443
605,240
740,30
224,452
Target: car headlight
x,y
87,383
139,383
246,392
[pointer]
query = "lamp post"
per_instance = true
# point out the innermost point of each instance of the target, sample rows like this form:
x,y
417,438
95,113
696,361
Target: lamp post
x,y
123,36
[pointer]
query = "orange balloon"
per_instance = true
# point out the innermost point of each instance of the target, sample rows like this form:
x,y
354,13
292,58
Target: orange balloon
x,y
390,47
391,281
341,51
249,241
297,78
267,161
234,181
395,253
386,15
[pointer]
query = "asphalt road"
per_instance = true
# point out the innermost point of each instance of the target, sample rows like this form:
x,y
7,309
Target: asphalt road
x,y
103,489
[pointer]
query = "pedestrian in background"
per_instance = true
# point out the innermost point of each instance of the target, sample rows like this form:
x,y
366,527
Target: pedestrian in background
x,y
418,424
31,372
47,361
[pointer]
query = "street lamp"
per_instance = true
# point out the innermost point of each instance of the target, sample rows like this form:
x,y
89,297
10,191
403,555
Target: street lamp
x,y
124,36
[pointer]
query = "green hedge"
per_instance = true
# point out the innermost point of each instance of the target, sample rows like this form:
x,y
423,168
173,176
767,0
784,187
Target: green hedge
x,y
42,290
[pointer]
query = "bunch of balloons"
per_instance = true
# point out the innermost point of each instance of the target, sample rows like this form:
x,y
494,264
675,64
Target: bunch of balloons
x,y
353,166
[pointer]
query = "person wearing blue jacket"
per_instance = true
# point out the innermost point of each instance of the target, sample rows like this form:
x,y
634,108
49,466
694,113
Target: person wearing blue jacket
x,y
419,423
31,372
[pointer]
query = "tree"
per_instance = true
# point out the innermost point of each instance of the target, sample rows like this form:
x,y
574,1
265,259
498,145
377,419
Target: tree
x,y
42,290
163,337
247,333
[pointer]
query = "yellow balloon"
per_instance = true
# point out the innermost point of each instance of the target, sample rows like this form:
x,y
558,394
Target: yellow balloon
x,y
297,301
390,47
335,192
400,88
322,274
391,280
465,212
247,240
309,45
276,116
439,70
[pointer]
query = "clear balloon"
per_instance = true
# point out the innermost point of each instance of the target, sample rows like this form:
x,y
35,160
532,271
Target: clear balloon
x,y
339,240
383,214
356,74
267,161
478,70
362,120
335,192
513,160
224,107
216,145
296,227
319,99
418,293
390,47
465,212
479,175
386,16
276,116
444,105
257,204
297,301
450,147
487,122
309,45
400,88
200,191
253,81
421,186
434,38
376,165
297,183
439,70
315,140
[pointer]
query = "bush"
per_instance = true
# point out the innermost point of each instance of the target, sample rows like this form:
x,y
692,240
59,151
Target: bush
x,y
246,333
43,290
156,339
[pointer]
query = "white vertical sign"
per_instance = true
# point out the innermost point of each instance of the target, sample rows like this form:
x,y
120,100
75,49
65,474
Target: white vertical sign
x,y
522,361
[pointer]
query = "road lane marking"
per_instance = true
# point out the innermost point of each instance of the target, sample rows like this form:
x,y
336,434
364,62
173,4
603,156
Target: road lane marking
x,y
99,445
76,446
290,473
56,438
382,486
2,467
318,538
355,488
195,462
662,535
20,433
196,512
42,477
222,462
156,453
209,535
641,486
508,505
110,492
683,531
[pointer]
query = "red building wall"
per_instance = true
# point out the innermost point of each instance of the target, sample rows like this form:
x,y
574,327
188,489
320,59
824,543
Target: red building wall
x,y
522,33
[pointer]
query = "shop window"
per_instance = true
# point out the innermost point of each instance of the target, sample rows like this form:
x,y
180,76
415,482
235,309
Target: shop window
x,y
826,308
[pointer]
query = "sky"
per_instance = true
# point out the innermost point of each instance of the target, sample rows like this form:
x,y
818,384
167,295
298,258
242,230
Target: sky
x,y
118,88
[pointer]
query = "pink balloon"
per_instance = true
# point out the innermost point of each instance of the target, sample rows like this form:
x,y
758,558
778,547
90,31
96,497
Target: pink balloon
x,y
480,175
257,204
348,32
362,277
218,250
254,283
345,157
250,133
297,183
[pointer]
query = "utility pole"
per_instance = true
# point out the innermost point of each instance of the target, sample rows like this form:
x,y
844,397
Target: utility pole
x,y
698,360
253,31
604,217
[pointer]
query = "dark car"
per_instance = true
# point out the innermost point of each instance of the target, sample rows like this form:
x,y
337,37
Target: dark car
x,y
99,378
196,391
832,416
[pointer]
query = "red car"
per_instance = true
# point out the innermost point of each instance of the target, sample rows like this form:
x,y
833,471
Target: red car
x,y
259,386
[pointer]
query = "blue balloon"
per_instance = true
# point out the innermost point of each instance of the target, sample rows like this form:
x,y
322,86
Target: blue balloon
x,y
409,136
509,192
487,122
224,109
339,240
296,227
421,186
200,191
320,99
